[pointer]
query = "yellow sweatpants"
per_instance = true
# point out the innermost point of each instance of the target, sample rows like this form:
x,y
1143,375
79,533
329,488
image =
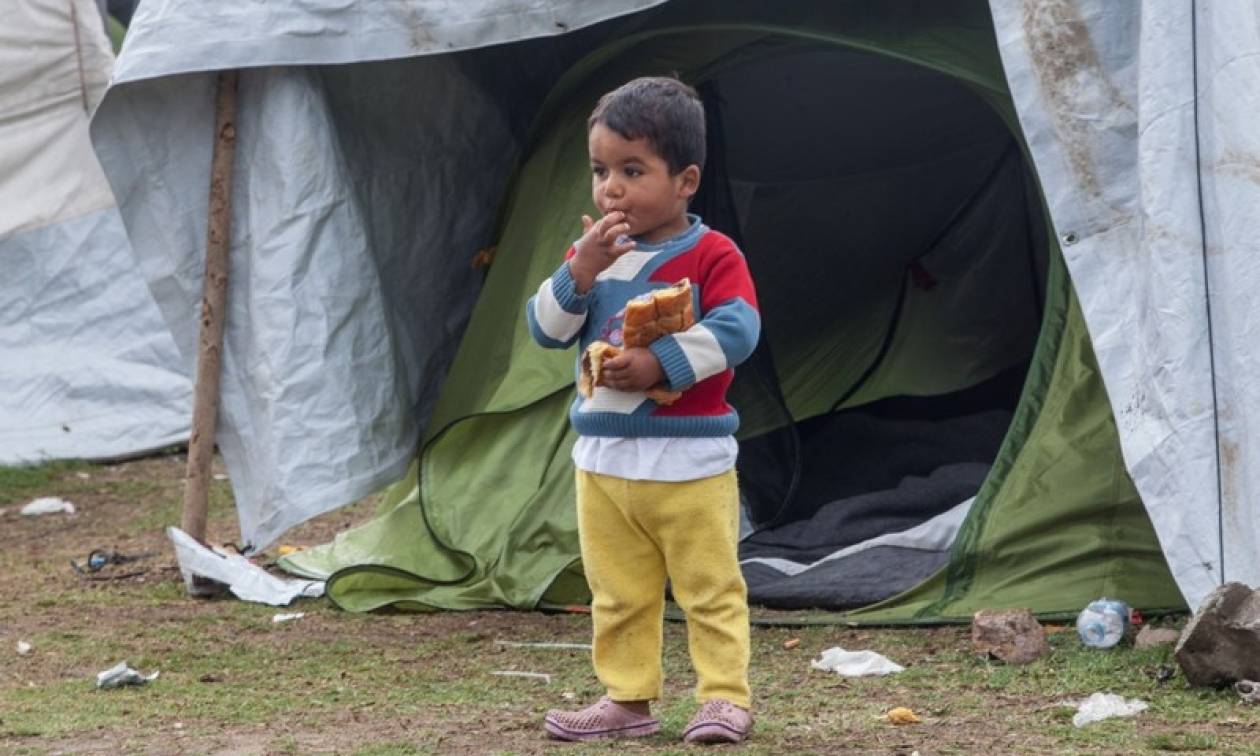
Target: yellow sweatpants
x,y
633,535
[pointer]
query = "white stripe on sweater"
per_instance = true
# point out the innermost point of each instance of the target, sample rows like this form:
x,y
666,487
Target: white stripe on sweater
x,y
604,399
554,321
702,350
626,267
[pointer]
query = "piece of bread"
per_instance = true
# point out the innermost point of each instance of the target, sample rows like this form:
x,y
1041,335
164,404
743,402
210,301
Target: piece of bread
x,y
593,366
640,311
663,396
676,300
652,315
670,323
647,318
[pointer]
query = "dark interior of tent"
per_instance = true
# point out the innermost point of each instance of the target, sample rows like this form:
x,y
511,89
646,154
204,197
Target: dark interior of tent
x,y
897,242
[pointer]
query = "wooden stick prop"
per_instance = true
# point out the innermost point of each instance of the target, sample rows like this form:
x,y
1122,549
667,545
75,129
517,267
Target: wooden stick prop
x,y
213,312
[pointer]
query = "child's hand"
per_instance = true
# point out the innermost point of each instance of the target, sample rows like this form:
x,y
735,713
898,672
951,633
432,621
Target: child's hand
x,y
598,248
634,369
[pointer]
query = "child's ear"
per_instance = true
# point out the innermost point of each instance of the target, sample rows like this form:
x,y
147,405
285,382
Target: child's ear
x,y
690,182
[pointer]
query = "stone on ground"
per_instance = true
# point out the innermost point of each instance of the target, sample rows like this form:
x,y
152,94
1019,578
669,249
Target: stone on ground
x,y
1150,636
1011,635
1221,643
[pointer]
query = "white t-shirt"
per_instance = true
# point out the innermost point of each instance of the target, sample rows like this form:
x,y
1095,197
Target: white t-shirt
x,y
661,459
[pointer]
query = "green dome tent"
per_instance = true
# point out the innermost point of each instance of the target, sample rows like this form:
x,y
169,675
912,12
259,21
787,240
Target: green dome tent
x,y
924,368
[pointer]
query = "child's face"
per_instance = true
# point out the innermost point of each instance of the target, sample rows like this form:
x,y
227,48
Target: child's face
x,y
628,175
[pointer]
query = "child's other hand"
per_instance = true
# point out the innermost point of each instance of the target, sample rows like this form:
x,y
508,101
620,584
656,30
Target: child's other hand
x,y
634,369
600,246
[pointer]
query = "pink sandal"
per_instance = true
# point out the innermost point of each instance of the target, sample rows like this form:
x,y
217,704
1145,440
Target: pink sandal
x,y
603,719
719,721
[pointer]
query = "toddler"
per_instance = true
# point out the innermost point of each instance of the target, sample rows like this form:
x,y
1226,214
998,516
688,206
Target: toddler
x,y
656,492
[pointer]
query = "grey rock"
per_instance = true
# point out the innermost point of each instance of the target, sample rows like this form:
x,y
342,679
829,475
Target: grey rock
x,y
1150,636
1248,691
1221,643
1011,635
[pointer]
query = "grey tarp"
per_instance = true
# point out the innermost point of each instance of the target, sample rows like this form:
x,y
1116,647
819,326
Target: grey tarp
x,y
87,366
1141,118
361,196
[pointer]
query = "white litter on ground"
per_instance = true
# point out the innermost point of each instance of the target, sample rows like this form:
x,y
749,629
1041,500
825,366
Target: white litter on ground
x,y
1100,706
1248,691
120,674
533,675
23,648
517,644
48,505
246,580
855,663
277,619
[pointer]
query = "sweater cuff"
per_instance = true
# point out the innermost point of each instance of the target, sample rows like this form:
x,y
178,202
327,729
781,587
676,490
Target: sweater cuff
x,y
678,373
565,290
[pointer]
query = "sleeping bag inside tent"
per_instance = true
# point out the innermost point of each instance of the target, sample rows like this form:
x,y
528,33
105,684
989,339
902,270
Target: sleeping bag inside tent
x,y
923,429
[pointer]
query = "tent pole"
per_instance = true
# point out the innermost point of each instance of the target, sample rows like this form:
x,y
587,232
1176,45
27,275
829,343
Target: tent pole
x,y
213,303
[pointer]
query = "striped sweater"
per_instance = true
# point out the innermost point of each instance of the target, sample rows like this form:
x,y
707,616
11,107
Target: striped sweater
x,y
699,361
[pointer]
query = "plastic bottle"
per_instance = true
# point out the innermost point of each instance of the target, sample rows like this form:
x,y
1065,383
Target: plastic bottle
x,y
1103,623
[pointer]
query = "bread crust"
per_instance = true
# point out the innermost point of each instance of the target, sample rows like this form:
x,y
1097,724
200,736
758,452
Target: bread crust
x,y
653,315
639,313
647,318
675,300
592,374
593,366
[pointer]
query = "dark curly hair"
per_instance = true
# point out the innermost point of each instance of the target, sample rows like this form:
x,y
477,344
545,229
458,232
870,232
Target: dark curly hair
x,y
662,110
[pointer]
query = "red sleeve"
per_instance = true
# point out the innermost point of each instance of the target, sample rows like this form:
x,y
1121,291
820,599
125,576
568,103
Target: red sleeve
x,y
724,276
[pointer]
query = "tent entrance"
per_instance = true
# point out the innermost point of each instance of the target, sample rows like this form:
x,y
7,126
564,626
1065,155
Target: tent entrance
x,y
900,262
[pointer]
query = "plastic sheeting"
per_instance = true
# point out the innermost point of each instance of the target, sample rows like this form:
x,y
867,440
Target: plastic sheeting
x,y
88,368
170,37
361,195
1141,120
49,82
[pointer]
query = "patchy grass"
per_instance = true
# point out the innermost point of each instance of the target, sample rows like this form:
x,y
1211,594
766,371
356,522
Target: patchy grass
x,y
20,484
232,681
1182,742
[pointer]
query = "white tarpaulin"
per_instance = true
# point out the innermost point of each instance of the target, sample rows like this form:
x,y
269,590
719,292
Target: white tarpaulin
x,y
1141,118
360,196
87,367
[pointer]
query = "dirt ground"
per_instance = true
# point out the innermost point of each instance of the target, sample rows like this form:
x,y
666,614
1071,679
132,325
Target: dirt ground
x,y
234,682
